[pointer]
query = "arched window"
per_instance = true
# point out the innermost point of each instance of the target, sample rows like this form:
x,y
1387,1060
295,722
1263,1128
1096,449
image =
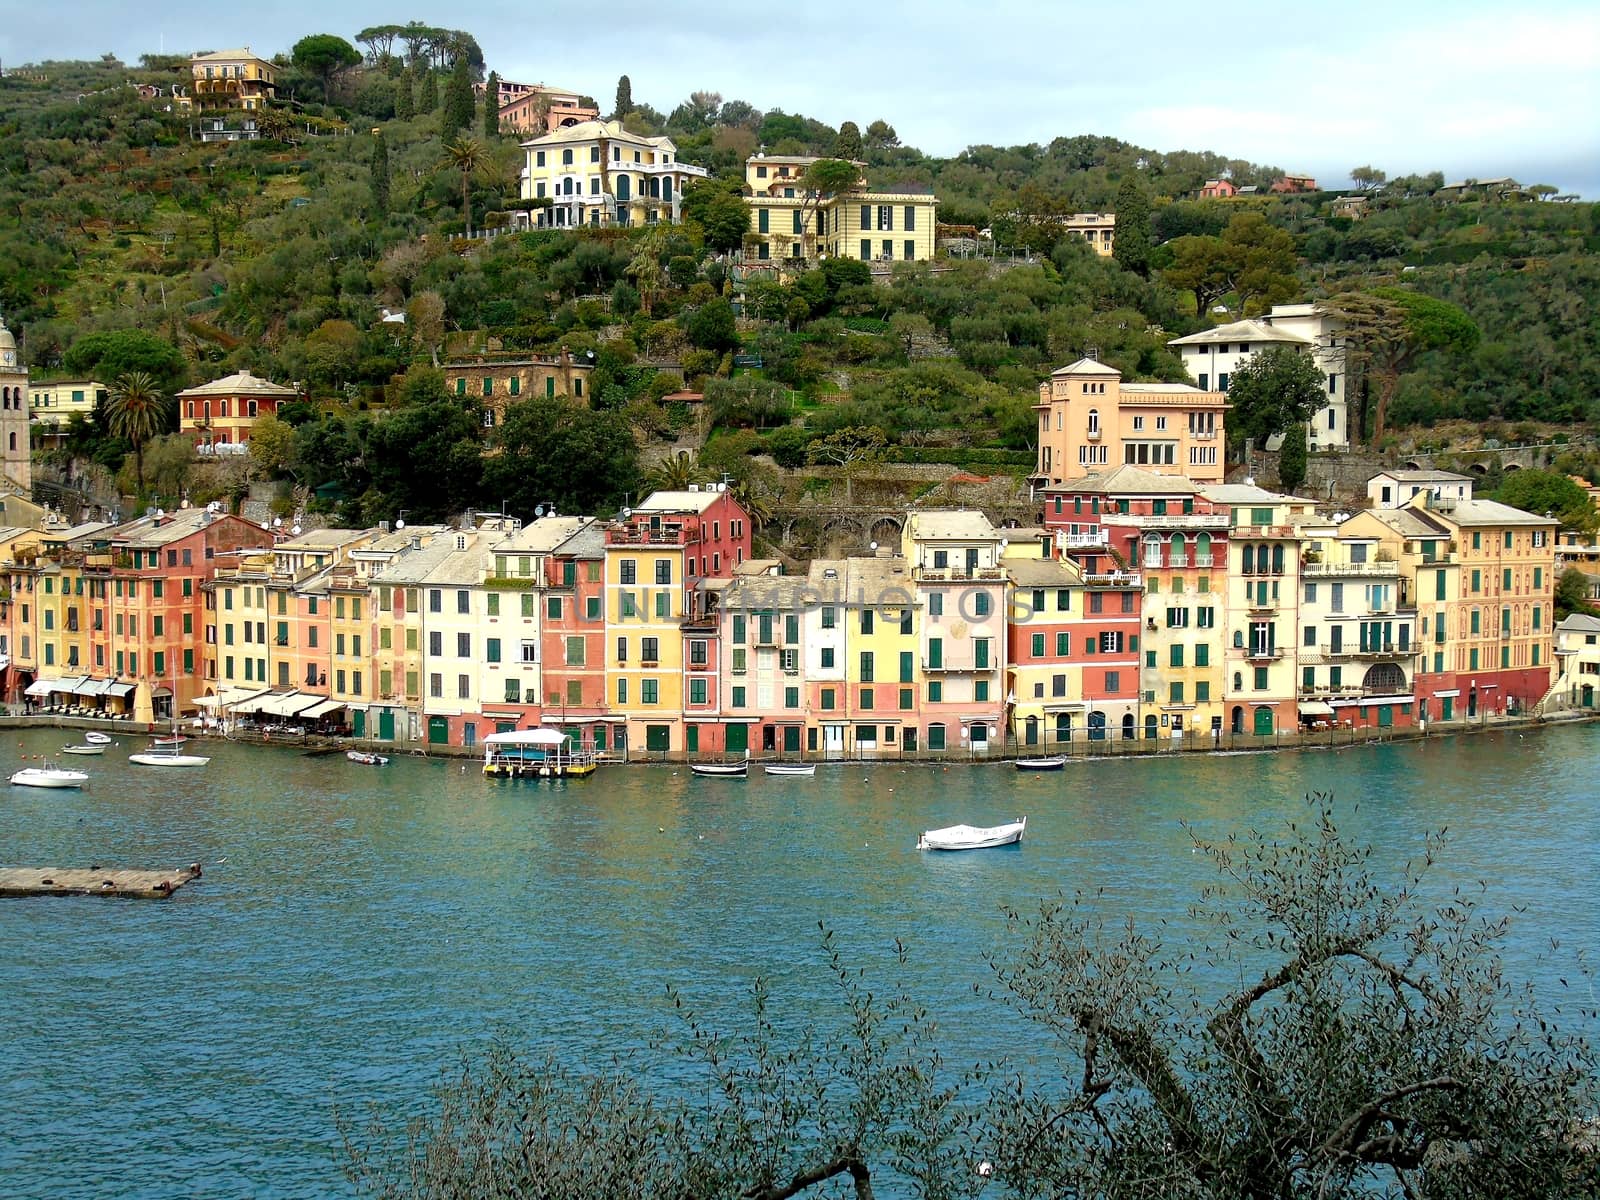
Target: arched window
x,y
1385,679
1179,556
1238,640
1127,727
566,157
1150,727
1249,567
1152,550
13,441
1202,550
1238,676
1277,559
1094,421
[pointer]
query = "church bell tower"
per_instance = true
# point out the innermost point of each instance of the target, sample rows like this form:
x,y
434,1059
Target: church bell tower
x,y
14,458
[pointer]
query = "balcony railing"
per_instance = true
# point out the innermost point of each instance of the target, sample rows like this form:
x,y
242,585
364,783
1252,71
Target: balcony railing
x,y
1093,435
960,574
1258,605
1096,537
1177,520
667,535
1315,569
1263,653
1115,579
1203,435
1370,650
945,666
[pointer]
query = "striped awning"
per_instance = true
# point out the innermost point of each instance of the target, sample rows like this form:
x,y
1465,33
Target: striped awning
x,y
323,708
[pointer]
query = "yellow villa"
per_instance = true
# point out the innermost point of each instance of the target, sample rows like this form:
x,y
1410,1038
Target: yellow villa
x,y
789,222
230,79
1090,420
597,173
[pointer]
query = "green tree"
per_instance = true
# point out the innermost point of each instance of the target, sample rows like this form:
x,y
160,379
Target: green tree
x,y
324,55
1385,330
272,446
1367,179
1572,595
1132,245
136,412
1272,392
491,107
1541,492
624,104
711,327
110,355
1292,458
724,220
675,473
380,175
405,96
428,90
467,157
551,450
426,456
457,101
848,143
1252,260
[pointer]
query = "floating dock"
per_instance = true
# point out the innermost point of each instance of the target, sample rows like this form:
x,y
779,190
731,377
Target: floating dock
x,y
95,881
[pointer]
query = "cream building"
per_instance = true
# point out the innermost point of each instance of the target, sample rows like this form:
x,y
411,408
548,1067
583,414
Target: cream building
x,y
51,406
597,173
792,223
1089,420
1214,355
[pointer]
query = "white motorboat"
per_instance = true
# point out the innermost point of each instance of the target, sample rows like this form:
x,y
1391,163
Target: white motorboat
x,y
366,759
49,777
721,770
1052,763
95,738
176,739
84,749
805,769
168,756
968,837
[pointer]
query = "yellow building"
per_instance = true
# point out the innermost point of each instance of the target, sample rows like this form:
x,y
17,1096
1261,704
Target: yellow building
x,y
882,662
1090,420
789,222
597,173
230,79
51,406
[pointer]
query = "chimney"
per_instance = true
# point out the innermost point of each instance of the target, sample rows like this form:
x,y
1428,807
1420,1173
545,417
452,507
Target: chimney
x,y
416,541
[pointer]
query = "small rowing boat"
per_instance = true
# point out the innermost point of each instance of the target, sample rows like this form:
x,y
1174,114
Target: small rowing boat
x,y
737,770
95,738
176,739
801,769
1053,763
968,837
85,749
366,759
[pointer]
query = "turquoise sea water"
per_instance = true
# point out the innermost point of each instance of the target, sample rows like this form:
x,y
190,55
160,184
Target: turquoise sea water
x,y
358,927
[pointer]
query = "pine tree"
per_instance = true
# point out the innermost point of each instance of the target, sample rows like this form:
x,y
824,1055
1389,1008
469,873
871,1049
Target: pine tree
x,y
624,99
380,174
458,109
1292,457
1133,227
849,144
405,97
491,106
428,93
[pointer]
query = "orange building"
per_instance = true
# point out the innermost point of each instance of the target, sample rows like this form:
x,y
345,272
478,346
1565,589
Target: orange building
x,y
222,412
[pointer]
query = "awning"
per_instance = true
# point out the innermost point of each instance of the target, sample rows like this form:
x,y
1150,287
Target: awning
x,y
525,737
95,687
1315,708
228,697
72,686
43,687
120,690
1450,695
256,703
324,708
289,704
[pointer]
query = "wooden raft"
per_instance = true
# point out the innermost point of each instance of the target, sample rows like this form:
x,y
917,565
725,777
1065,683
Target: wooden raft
x,y
95,881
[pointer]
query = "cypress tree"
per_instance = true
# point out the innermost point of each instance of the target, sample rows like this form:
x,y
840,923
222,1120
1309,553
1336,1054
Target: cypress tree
x,y
380,174
457,100
848,145
491,106
1292,457
624,98
1133,227
405,96
428,93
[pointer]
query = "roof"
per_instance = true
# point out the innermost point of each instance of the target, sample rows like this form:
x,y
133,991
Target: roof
x,y
414,566
1240,331
750,592
950,524
544,536
322,539
874,581
1131,481
1043,572
174,526
665,502
1246,493
227,56
1579,623
589,131
1085,366
241,384
1165,389
1490,512
1426,476
1407,522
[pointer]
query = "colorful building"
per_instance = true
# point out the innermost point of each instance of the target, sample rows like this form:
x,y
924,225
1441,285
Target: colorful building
x,y
792,223
1089,421
597,173
51,406
537,108
499,382
16,462
230,79
223,412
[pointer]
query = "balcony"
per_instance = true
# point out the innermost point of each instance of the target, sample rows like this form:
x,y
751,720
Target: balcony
x,y
1203,560
649,664
961,574
1263,653
1370,650
1115,579
1093,435
1264,531
1257,605
945,667
639,535
1074,541
1204,435
1314,570
700,666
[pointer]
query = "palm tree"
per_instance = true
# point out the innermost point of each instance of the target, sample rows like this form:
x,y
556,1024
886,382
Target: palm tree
x,y
675,474
136,411
470,157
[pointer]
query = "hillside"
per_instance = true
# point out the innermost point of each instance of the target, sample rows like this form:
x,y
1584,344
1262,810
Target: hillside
x,y
279,256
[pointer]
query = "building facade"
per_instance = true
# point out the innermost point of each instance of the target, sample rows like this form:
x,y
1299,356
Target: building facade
x,y
499,382
16,460
792,223
230,79
597,173
223,412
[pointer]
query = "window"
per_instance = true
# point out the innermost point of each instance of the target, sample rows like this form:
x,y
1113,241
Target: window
x,y
866,698
663,570
936,692
827,699
626,571
866,666
649,650
827,658
463,645
492,650
866,620
697,691
829,618
575,651
980,604
738,697
1038,645
1113,682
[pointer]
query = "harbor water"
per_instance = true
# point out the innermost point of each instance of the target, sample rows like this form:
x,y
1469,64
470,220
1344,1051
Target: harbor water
x,y
358,928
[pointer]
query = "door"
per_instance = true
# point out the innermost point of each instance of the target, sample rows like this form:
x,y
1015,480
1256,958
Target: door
x,y
738,739
1128,725
1238,719
657,738
360,726
791,739
1472,703
908,740
1030,732
1447,710
1385,716
833,741
386,724
1063,727
769,737
1586,697
469,733
692,739
1263,725
1097,727
1150,727
438,731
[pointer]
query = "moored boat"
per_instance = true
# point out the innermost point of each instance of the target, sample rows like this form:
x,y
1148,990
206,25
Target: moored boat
x,y
804,769
49,777
176,739
366,759
737,770
168,756
95,738
1053,762
84,749
969,837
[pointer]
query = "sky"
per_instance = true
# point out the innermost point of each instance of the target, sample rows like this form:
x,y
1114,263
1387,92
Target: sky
x,y
1467,88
